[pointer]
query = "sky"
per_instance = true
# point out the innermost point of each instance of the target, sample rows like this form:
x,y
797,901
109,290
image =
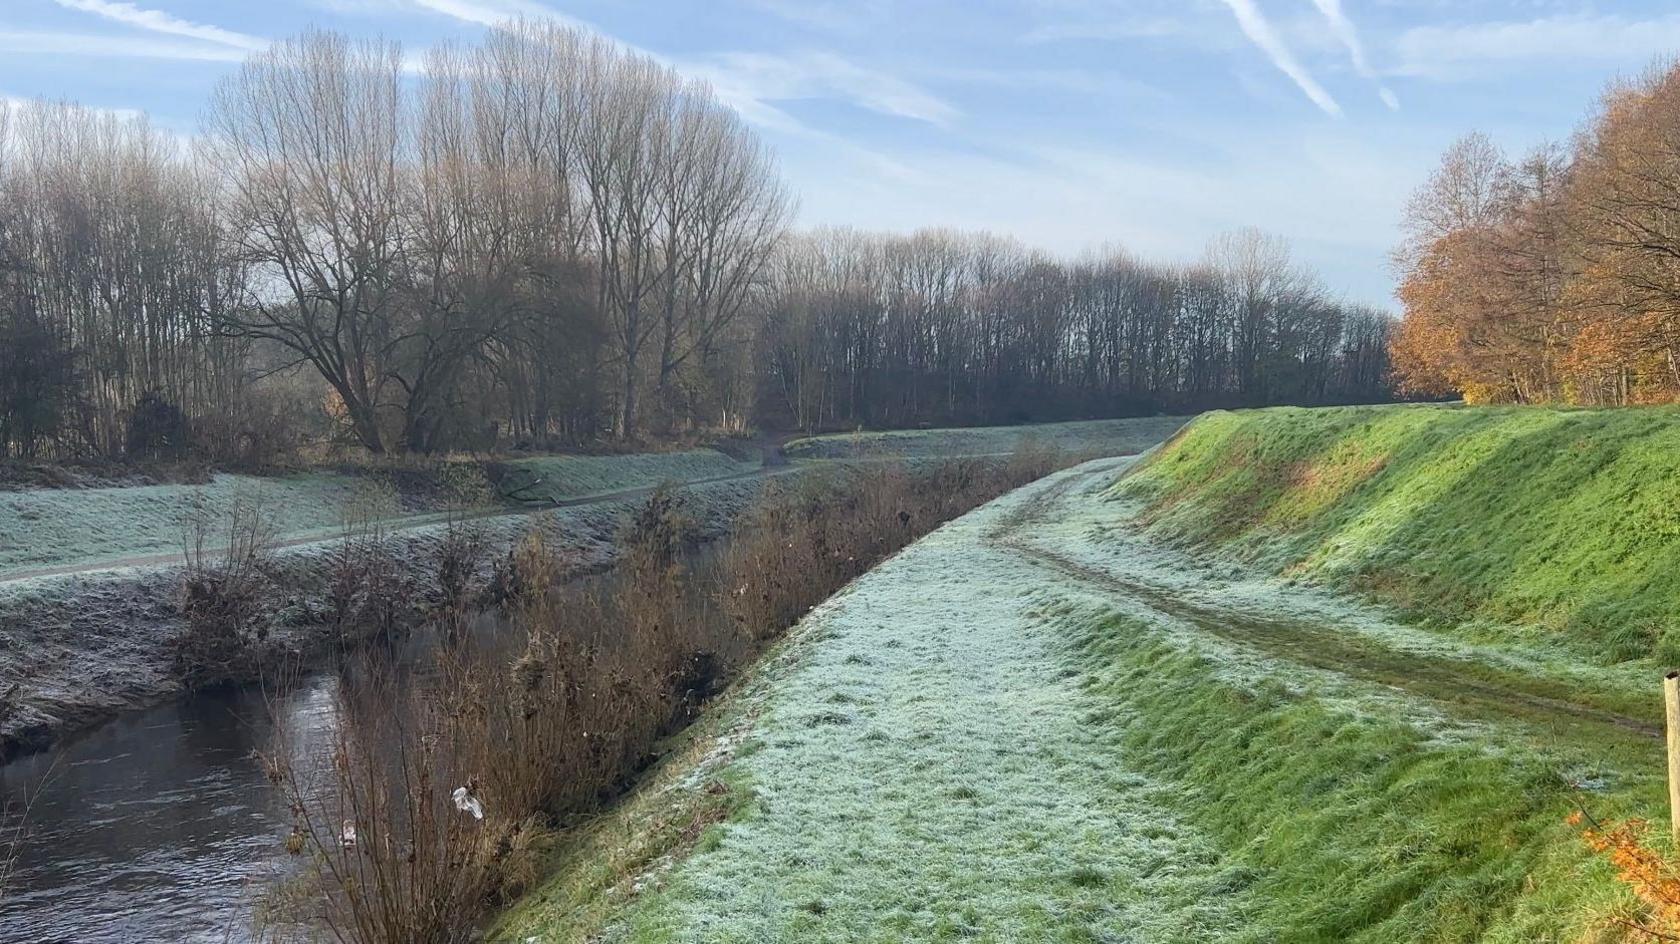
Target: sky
x,y
1074,125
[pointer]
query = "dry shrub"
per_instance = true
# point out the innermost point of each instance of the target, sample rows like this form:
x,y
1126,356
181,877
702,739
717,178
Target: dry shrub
x,y
807,540
544,726
223,593
461,558
369,592
554,714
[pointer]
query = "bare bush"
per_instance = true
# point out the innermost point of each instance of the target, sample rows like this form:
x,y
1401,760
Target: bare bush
x,y
369,593
444,776
460,559
223,590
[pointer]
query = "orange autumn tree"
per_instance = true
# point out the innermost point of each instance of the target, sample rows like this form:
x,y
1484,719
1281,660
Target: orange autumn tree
x,y
1555,278
1482,276
1626,207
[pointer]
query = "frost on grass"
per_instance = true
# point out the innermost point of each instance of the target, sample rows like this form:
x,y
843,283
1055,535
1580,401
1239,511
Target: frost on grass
x,y
559,478
1104,533
997,736
926,770
1102,437
61,527
52,528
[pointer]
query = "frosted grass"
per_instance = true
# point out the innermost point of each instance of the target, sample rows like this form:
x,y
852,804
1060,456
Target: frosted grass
x,y
924,768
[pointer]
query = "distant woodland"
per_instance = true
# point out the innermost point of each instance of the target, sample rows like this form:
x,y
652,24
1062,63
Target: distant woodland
x,y
543,240
1553,277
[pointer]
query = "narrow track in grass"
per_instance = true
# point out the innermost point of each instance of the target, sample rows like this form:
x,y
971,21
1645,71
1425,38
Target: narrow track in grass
x,y
1469,688
406,523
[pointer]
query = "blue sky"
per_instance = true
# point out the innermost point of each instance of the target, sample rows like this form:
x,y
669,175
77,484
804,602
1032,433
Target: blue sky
x,y
1072,124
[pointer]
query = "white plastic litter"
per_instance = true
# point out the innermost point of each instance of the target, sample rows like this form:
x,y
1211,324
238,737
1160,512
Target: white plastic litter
x,y
467,803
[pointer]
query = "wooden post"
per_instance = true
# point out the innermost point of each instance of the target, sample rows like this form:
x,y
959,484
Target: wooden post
x,y
1671,705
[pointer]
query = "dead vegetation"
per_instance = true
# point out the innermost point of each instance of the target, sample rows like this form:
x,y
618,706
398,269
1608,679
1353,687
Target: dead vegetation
x,y
223,588
447,775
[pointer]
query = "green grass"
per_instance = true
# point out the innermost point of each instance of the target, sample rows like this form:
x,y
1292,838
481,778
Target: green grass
x,y
1352,825
1561,525
1097,437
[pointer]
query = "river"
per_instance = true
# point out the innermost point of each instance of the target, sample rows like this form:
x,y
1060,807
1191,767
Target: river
x,y
159,826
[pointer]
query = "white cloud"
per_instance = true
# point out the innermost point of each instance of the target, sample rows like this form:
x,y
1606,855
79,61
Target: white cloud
x,y
493,12
1451,52
1063,80
1260,32
141,47
157,21
751,81
1349,37
846,16
1108,29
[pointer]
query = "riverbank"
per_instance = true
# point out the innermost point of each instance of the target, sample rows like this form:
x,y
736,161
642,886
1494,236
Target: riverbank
x,y
1042,723
84,647
52,530
90,598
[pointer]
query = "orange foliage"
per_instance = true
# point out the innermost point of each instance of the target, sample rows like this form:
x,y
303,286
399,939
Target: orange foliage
x,y
1551,279
1653,880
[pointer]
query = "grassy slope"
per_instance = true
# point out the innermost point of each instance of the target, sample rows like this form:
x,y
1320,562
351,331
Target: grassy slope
x,y
569,477
1101,437
1558,525
915,765
63,527
1298,767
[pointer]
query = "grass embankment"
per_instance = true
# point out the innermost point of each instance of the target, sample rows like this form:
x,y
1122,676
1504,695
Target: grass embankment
x,y
1538,539
1086,437
89,526
1345,817
1037,725
913,766
1554,526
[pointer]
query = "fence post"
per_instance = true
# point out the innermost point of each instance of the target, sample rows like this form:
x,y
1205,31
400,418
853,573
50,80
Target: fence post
x,y
1671,706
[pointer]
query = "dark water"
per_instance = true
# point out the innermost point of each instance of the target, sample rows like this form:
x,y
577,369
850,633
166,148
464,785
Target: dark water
x,y
159,826
162,826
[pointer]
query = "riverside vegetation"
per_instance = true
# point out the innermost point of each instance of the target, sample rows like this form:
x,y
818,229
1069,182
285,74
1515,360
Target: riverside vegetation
x,y
448,781
1279,680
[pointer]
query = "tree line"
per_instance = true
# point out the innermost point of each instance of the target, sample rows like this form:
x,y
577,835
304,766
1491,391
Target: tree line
x,y
1551,277
949,327
542,238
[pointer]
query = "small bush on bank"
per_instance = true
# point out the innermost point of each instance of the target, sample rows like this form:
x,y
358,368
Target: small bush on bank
x,y
223,594
157,429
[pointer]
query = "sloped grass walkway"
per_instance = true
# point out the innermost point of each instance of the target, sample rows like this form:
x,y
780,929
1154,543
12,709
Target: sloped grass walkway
x,y
921,766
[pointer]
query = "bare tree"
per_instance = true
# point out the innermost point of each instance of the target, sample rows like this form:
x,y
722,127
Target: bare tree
x,y
310,136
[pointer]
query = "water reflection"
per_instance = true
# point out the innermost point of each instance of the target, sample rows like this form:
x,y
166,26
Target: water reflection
x,y
157,827
162,825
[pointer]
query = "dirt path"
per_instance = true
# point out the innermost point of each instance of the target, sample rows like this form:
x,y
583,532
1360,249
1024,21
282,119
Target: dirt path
x,y
176,558
1467,687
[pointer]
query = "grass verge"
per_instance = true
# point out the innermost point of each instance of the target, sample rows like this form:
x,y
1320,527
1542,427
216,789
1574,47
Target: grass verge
x,y
1351,824
1554,525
